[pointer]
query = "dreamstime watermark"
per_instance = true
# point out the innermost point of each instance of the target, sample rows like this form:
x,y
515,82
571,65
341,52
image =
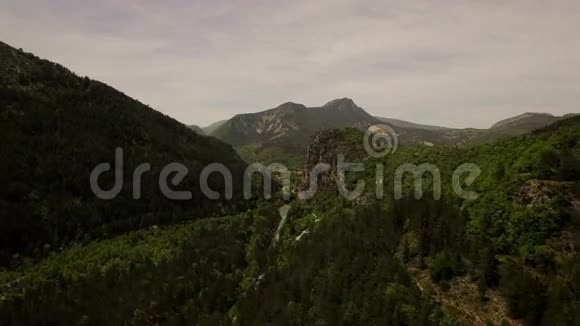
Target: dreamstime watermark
x,y
379,141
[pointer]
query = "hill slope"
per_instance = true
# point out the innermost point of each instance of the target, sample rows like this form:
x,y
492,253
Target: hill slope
x,y
209,129
494,248
197,130
56,127
407,124
526,120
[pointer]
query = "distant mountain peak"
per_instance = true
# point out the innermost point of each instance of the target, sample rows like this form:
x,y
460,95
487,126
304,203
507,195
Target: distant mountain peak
x,y
289,107
345,105
339,100
345,101
292,123
535,119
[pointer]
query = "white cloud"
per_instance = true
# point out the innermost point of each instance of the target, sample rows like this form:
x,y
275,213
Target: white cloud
x,y
451,62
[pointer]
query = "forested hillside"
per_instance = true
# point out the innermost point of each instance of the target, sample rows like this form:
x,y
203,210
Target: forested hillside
x,y
55,127
518,239
338,262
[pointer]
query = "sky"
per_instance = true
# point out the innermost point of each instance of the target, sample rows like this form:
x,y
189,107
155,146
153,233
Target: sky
x,y
446,62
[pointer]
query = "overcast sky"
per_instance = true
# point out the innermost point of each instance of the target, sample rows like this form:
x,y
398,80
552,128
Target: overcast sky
x,y
445,62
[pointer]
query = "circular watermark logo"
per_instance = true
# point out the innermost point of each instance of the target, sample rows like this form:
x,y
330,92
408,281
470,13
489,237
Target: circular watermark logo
x,y
380,140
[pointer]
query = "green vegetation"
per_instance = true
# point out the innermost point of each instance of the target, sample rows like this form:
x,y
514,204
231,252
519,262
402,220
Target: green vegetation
x,y
291,156
341,272
519,236
56,127
226,271
186,274
336,262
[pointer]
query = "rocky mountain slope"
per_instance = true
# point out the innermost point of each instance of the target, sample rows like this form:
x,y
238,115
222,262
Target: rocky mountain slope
x,y
281,134
292,123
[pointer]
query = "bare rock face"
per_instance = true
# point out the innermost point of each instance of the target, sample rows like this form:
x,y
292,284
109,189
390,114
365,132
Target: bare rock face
x,y
326,145
321,150
534,192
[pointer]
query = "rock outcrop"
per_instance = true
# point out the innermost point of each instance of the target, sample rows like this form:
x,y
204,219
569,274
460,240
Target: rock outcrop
x,y
325,147
534,192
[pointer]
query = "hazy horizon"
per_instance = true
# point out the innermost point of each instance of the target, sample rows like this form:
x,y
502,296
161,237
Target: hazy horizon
x,y
450,63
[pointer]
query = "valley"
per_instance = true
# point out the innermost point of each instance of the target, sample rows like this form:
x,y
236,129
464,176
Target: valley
x,y
507,257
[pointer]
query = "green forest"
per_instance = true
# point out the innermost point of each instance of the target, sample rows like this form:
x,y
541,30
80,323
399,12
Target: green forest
x,y
355,265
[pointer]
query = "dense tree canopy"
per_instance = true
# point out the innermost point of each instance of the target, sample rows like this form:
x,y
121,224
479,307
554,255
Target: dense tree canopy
x,y
55,128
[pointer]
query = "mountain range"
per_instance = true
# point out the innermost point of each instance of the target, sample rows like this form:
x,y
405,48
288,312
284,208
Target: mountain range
x,y
283,132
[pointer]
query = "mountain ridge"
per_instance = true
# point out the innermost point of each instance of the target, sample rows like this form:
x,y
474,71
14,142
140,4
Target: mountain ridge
x,y
290,119
395,122
538,119
56,127
286,129
198,130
